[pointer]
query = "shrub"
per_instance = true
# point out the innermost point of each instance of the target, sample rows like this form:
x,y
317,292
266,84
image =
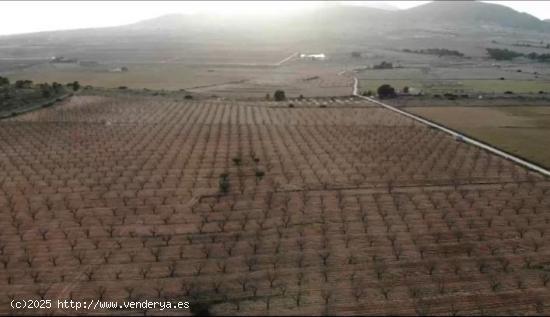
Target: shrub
x,y
386,91
436,51
188,97
224,183
383,65
122,87
23,84
260,174
4,81
502,54
291,105
450,96
279,95
57,87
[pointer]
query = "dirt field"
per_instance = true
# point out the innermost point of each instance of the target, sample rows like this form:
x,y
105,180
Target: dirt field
x,y
520,130
258,208
231,80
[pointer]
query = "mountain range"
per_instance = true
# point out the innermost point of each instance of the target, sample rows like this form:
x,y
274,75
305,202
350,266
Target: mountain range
x,y
336,24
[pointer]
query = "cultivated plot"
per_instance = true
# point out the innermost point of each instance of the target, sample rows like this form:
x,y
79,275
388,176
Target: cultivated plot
x,y
258,208
521,129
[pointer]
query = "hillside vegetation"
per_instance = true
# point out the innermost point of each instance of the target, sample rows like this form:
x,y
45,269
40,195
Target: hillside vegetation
x,y
24,95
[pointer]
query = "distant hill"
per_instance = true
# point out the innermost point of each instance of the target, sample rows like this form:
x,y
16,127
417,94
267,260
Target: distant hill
x,y
473,13
324,26
458,13
380,5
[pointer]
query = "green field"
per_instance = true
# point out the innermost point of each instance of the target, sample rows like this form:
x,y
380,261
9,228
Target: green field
x,y
524,131
170,76
460,86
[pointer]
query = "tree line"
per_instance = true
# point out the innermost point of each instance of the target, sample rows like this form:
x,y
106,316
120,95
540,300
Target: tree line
x,y
435,51
506,54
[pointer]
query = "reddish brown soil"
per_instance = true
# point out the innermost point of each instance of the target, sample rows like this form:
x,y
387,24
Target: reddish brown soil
x,y
360,212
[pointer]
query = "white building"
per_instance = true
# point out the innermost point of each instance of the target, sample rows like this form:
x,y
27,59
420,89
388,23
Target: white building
x,y
314,57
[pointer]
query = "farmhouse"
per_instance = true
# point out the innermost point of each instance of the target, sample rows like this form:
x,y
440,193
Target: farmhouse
x,y
62,59
314,57
122,69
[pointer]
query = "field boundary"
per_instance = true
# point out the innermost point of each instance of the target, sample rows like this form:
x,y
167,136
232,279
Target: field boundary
x,y
457,135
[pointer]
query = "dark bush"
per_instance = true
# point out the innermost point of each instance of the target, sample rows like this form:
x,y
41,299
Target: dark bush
x,y
383,65
4,81
279,95
508,92
386,91
224,183
260,174
57,87
436,51
23,84
450,96
502,54
188,97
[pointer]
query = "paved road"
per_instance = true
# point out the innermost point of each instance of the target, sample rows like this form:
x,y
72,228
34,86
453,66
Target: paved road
x,y
455,134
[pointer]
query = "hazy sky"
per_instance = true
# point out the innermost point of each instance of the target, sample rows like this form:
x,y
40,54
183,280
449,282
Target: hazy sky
x,y
33,16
